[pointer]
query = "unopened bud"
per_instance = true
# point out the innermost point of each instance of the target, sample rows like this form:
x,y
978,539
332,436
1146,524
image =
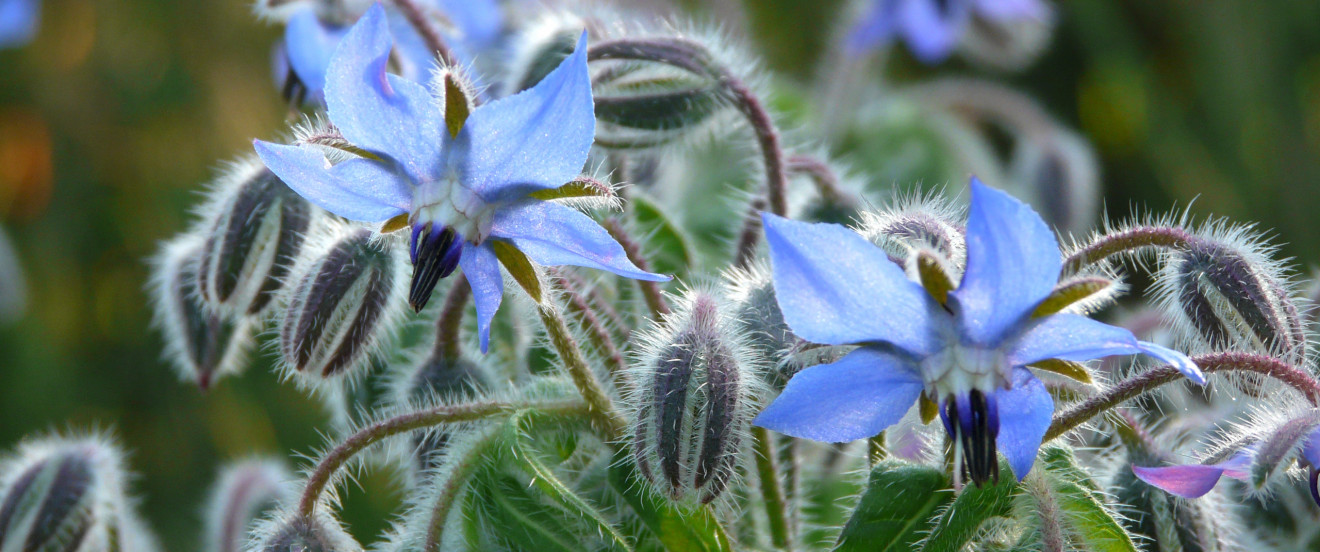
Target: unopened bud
x,y
1230,298
694,397
540,47
203,345
300,534
752,293
1007,44
245,492
923,222
439,377
63,495
648,107
1058,173
343,303
258,228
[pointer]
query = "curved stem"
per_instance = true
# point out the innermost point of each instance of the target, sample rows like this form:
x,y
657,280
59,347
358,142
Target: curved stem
x,y
655,299
597,332
693,57
1152,379
342,453
601,407
750,235
447,344
827,183
1136,237
413,13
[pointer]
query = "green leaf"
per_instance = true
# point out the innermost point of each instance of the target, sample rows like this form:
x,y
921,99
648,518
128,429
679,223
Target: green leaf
x,y
896,508
521,520
962,519
669,249
1081,503
678,529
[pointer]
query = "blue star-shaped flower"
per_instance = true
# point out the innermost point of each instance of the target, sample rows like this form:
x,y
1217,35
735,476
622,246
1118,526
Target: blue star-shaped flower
x,y
309,42
464,191
835,287
932,27
18,21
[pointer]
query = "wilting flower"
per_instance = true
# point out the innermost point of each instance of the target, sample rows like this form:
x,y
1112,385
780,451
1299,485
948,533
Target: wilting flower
x,y
313,31
18,21
1195,480
933,27
968,355
465,184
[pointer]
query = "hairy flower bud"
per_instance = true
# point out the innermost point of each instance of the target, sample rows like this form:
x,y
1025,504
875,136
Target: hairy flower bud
x,y
256,231
438,377
540,47
343,303
1058,173
694,395
67,495
245,492
201,344
1006,44
916,223
299,534
1232,296
757,312
652,105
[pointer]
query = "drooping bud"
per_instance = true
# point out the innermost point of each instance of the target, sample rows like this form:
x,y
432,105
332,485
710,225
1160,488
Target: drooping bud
x,y
13,290
1058,173
343,303
257,230
203,345
295,533
757,312
1007,43
540,47
245,492
652,105
694,395
1229,296
66,495
916,223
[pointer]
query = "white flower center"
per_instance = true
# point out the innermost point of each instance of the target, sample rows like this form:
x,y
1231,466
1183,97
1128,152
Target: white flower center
x,y
960,368
447,202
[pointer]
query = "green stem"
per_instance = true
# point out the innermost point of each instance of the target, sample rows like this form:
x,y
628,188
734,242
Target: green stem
x,y
767,471
599,335
451,319
1154,378
602,408
460,470
448,414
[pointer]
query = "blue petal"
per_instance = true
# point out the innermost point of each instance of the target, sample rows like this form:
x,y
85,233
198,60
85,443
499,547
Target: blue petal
x,y
379,112
1078,338
309,44
480,22
553,235
415,58
1311,449
19,20
535,139
835,287
482,271
932,29
1192,481
357,189
1025,412
874,30
1012,265
854,398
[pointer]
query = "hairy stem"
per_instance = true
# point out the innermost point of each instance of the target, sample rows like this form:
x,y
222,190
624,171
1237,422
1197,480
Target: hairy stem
x,y
447,344
1133,238
655,299
827,183
448,414
599,335
460,471
1154,378
750,235
767,470
417,18
602,408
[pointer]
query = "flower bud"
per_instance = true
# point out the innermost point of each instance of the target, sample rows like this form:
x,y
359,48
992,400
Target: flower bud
x,y
639,107
257,229
299,534
1058,173
203,345
540,47
438,377
757,313
1232,297
916,223
65,495
1006,44
344,300
245,492
694,394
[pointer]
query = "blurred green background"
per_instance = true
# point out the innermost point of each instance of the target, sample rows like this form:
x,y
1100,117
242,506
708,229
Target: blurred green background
x,y
118,112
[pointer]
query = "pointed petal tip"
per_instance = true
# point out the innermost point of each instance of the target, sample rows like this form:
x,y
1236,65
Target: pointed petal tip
x,y
1191,481
1178,360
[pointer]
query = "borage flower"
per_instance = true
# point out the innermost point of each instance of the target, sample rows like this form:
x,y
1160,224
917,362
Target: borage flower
x,y
467,183
968,355
933,27
314,28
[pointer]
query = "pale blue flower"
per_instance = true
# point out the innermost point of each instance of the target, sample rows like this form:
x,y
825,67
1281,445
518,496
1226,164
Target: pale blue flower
x,y
461,193
309,42
932,28
837,288
18,22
